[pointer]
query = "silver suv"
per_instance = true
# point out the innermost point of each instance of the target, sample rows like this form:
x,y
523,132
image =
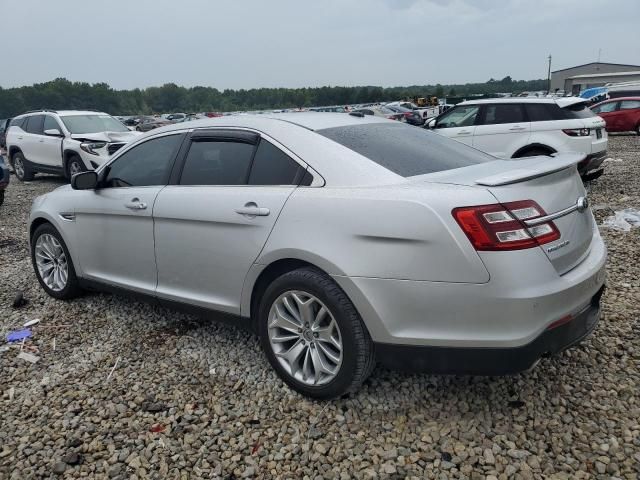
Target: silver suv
x,y
63,142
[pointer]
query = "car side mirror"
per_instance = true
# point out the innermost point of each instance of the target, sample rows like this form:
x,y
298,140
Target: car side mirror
x,y
432,123
53,132
84,181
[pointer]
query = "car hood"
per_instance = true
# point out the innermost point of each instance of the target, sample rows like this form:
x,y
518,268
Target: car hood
x,y
106,136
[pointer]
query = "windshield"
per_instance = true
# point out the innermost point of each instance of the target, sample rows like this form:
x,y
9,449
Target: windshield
x,y
405,150
79,124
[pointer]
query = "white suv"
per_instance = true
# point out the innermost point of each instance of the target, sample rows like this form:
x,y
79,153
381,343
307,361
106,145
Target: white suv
x,y
63,142
526,127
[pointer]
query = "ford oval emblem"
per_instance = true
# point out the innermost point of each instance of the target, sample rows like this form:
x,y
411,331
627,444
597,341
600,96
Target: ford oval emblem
x,y
582,204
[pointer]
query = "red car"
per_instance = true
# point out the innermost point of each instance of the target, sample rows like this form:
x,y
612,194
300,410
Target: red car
x,y
621,114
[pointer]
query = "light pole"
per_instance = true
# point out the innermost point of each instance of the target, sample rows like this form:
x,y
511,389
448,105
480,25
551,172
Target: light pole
x,y
549,77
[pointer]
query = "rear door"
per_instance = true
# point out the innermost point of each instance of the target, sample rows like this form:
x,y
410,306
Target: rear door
x,y
629,115
502,129
458,123
29,140
213,221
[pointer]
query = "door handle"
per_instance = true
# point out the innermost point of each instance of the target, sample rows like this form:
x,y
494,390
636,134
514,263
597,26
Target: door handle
x,y
464,132
41,141
136,204
251,210
517,129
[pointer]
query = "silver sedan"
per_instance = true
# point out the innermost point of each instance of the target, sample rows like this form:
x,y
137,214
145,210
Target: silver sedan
x,y
342,241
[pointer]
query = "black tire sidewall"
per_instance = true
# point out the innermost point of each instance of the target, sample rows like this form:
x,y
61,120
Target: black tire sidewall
x,y
312,281
72,288
27,173
72,159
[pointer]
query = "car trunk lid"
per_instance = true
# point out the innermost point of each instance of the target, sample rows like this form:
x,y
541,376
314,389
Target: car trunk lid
x,y
551,182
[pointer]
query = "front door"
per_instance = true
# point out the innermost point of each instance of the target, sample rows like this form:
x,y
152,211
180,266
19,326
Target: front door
x,y
115,222
458,123
212,224
49,148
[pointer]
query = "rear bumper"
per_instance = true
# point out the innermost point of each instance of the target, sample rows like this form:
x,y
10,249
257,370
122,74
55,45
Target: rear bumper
x,y
492,361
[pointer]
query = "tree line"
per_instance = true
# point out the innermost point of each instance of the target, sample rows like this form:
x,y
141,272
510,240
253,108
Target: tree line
x,y
63,94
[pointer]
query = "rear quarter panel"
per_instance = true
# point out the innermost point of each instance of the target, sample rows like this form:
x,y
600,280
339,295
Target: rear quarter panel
x,y
399,232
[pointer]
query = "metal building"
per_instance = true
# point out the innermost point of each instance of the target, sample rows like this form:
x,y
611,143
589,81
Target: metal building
x,y
564,79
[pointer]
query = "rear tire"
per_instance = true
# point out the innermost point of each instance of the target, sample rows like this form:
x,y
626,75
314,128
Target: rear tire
x,y
52,263
20,168
1,197
638,129
336,353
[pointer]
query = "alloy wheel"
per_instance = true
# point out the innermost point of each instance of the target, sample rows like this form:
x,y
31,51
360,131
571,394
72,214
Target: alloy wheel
x,y
18,166
51,262
305,338
74,167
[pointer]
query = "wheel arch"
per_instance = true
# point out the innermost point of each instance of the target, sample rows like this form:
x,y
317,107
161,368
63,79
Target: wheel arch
x,y
533,146
66,156
40,218
12,151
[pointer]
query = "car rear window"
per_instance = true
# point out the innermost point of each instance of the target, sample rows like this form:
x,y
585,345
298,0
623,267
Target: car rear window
x,y
580,110
405,150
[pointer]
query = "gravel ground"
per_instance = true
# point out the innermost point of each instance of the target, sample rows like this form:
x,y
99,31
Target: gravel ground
x,y
128,390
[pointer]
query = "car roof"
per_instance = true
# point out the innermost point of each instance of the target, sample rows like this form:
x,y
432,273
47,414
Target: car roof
x,y
617,99
561,102
63,113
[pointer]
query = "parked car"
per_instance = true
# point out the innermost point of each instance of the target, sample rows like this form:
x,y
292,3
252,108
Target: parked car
x,y
620,114
63,142
4,126
176,117
4,178
411,117
149,123
527,127
212,114
380,111
425,112
374,241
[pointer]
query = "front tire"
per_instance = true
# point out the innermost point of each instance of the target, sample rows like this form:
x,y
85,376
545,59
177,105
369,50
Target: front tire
x,y
52,263
20,168
75,165
313,336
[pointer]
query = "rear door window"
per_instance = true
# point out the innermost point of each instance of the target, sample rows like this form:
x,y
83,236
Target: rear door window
x,y
216,162
538,112
495,114
34,124
271,166
629,104
18,122
406,150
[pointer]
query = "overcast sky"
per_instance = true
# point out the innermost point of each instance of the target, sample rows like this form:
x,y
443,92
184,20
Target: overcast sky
x,y
295,43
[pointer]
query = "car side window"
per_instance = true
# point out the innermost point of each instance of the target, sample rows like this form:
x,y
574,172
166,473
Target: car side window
x,y
50,123
461,116
606,107
629,104
538,112
147,164
217,162
34,124
18,122
271,166
503,113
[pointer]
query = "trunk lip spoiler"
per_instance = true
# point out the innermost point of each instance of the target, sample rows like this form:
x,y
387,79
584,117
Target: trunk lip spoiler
x,y
536,167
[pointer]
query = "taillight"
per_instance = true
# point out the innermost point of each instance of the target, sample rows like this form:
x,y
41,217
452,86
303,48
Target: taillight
x,y
577,132
501,227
